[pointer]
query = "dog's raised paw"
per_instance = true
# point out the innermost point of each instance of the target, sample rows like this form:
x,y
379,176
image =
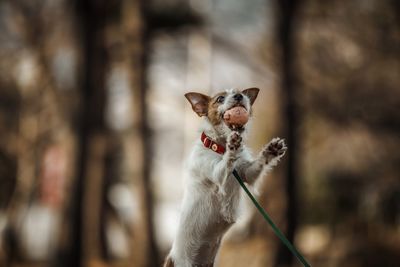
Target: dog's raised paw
x,y
275,148
234,141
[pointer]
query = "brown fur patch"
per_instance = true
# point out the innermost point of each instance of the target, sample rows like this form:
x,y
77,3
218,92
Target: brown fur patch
x,y
213,114
199,102
168,262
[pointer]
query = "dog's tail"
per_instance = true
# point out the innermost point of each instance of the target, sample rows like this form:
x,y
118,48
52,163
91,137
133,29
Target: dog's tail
x,y
168,262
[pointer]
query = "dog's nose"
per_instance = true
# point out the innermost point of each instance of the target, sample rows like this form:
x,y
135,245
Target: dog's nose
x,y
238,97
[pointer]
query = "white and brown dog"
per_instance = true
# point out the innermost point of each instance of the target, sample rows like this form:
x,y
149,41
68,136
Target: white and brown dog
x,y
212,195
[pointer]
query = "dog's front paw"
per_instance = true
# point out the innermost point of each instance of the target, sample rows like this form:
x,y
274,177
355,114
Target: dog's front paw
x,y
234,141
275,149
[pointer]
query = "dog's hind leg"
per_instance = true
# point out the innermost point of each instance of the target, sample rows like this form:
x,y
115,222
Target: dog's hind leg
x,y
168,262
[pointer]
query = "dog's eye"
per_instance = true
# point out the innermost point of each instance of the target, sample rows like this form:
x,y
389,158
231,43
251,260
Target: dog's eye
x,y
221,99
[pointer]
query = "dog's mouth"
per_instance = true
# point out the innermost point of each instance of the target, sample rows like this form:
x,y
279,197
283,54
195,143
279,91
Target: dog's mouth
x,y
236,117
237,105
238,128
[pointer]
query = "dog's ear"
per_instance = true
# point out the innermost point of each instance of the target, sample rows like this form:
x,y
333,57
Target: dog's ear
x,y
199,103
252,94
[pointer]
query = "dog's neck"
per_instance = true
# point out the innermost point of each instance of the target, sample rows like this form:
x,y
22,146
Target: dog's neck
x,y
218,133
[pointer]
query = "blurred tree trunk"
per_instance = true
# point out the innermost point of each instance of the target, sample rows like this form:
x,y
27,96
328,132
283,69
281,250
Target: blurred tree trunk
x,y
152,251
114,48
41,129
287,13
91,17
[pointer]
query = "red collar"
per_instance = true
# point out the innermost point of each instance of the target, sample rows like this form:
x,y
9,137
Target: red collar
x,y
209,143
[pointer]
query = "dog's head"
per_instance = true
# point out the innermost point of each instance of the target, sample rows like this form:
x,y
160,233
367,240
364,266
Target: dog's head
x,y
215,107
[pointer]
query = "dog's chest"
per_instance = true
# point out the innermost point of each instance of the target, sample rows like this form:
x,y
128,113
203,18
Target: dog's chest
x,y
222,201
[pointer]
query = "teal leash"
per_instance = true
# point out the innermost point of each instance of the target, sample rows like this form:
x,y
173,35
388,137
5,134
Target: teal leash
x,y
271,223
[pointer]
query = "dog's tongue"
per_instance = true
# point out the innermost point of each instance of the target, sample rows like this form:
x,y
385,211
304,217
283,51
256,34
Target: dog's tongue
x,y
236,116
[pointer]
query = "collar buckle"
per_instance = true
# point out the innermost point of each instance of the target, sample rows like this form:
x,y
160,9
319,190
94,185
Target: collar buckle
x,y
207,142
210,144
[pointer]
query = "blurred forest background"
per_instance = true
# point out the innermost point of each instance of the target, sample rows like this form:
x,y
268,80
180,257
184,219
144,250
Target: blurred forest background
x,y
95,128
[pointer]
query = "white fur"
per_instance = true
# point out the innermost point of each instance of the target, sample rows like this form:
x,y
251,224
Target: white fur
x,y
212,195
